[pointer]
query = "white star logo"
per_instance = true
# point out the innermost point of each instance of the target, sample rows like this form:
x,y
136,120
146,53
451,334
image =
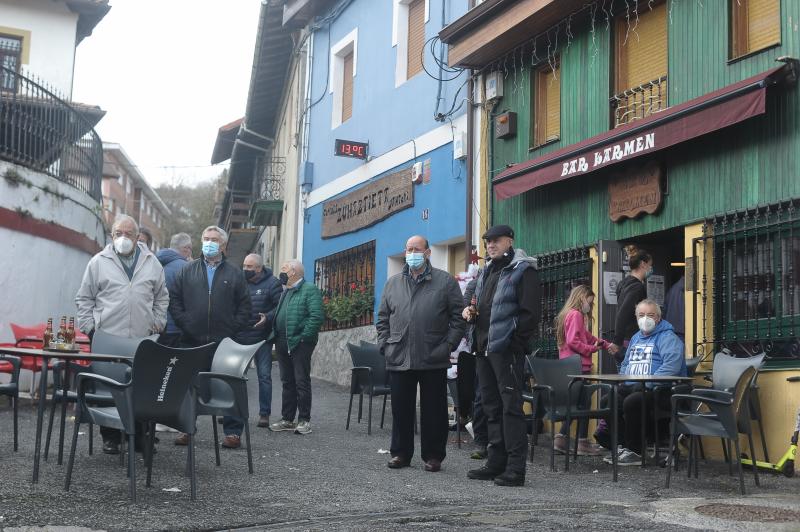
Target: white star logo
x,y
173,361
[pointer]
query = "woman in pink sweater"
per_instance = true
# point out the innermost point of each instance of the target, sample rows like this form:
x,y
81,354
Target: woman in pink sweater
x,y
573,337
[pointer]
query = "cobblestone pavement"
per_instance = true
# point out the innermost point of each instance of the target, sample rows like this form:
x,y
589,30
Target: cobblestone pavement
x,y
334,479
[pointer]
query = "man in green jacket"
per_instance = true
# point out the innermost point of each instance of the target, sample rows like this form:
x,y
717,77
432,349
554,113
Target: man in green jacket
x,y
295,331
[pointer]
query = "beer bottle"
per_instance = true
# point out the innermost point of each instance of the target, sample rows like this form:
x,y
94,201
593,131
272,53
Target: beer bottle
x,y
48,334
473,306
62,331
70,339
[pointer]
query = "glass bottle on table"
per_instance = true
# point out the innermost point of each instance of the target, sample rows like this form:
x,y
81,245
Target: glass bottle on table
x,y
48,334
61,337
70,337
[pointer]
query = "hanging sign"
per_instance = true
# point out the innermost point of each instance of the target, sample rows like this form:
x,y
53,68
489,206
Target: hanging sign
x,y
368,205
635,191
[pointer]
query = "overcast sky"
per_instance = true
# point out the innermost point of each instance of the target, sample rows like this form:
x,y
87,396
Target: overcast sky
x,y
168,73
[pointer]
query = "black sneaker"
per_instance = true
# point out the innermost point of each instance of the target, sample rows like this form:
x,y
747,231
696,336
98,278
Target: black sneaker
x,y
510,478
110,447
483,473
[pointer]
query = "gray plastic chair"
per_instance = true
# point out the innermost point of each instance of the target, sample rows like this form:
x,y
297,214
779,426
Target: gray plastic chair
x,y
560,395
11,390
726,407
107,344
368,376
161,390
223,390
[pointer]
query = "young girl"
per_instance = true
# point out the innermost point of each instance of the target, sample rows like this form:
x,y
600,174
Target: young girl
x,y
574,338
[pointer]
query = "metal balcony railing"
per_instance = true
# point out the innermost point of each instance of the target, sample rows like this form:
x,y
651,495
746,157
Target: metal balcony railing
x,y
639,102
41,131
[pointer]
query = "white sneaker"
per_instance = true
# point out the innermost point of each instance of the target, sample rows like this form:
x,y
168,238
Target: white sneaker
x,y
629,457
303,427
620,450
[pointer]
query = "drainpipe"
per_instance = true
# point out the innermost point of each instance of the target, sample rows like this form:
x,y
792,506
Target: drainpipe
x,y
470,163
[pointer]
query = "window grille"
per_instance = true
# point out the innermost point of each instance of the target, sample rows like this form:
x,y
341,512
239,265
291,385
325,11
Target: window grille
x,y
750,300
347,280
559,273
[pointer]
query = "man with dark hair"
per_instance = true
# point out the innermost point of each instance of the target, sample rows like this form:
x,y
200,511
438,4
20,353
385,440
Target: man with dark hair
x,y
210,301
146,237
419,325
504,320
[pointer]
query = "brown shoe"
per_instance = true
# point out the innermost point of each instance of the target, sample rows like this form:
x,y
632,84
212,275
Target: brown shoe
x,y
182,439
433,466
263,421
232,441
397,462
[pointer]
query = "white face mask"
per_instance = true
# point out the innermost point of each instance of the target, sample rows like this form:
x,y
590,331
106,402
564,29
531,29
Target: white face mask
x,y
586,308
123,245
646,324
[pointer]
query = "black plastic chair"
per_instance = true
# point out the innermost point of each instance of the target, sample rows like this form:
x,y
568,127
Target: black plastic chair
x,y
725,407
11,390
161,390
107,344
368,376
560,395
223,390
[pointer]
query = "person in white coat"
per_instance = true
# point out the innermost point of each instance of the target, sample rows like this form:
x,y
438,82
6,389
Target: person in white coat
x,y
123,293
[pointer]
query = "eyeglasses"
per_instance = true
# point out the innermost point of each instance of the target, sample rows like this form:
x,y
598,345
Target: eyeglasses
x,y
129,234
651,315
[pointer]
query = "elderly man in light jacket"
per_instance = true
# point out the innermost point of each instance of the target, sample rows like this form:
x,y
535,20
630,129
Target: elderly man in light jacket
x,y
124,293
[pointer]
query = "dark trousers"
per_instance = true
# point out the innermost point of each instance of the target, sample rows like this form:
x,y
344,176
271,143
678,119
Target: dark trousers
x,y
295,379
500,376
433,412
631,401
479,422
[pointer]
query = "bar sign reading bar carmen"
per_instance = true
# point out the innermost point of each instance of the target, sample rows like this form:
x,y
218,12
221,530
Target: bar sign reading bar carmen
x,y
368,205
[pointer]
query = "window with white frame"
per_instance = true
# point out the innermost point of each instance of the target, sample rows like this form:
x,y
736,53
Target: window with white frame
x,y
344,62
408,36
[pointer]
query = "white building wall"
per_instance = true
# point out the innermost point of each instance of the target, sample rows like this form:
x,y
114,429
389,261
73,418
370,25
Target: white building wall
x,y
52,28
283,242
39,277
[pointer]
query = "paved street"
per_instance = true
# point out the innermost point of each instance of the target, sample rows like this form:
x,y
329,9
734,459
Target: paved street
x,y
337,480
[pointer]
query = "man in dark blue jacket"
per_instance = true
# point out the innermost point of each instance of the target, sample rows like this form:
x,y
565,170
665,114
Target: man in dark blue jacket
x,y
265,293
173,259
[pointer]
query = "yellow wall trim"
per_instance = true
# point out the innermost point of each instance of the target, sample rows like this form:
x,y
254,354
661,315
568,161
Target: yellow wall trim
x,y
25,35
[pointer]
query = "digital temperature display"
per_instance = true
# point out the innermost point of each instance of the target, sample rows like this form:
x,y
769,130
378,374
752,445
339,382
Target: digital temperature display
x,y
351,148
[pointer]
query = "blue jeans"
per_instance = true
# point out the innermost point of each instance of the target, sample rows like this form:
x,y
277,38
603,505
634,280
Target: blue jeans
x,y
263,358
264,370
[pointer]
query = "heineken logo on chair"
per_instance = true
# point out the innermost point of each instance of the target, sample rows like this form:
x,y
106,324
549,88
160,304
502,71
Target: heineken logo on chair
x,y
165,380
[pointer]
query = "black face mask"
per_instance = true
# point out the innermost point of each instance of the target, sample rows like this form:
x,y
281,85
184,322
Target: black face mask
x,y
249,274
284,278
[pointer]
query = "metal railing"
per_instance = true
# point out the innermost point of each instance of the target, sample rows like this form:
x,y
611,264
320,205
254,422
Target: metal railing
x,y
639,102
347,281
270,180
559,273
748,282
42,131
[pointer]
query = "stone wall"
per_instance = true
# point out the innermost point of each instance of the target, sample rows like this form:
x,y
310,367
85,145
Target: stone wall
x,y
331,360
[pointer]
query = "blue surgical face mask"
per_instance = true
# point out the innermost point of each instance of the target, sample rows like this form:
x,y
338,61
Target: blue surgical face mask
x,y
648,273
210,248
415,260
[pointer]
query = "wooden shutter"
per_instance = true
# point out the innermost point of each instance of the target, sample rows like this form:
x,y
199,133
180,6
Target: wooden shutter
x,y
347,87
416,37
547,105
755,24
643,56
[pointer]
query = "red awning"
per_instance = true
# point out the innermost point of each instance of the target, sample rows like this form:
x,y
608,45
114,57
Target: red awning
x,y
691,119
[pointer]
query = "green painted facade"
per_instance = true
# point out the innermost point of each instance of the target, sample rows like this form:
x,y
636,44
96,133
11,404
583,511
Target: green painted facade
x,y
751,163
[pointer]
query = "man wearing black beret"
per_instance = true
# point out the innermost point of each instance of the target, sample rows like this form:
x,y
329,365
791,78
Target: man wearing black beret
x,y
504,317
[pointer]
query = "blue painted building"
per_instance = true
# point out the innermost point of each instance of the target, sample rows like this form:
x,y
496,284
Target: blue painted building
x,y
369,84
